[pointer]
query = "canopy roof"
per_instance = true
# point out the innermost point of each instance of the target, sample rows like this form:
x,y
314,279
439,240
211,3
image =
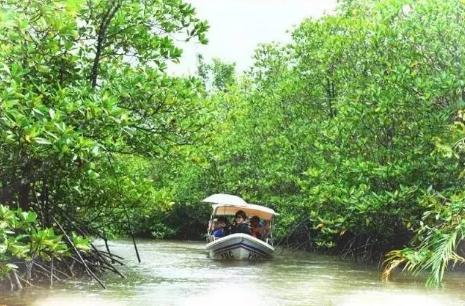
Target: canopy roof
x,y
222,198
228,205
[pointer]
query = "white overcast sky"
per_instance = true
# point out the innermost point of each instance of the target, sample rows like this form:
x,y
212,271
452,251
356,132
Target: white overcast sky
x,y
238,26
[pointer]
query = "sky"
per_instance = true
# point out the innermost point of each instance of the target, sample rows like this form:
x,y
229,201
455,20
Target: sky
x,y
238,26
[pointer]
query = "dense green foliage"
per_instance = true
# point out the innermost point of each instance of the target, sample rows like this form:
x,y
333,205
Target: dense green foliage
x,y
87,111
353,131
85,102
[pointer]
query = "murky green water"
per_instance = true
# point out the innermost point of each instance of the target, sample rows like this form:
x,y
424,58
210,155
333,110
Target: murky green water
x,y
179,273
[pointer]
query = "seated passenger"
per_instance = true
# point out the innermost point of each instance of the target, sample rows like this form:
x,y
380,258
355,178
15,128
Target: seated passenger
x,y
259,230
239,225
221,229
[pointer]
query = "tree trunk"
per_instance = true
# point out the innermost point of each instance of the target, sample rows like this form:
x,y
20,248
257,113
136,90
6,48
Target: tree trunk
x,y
23,195
45,203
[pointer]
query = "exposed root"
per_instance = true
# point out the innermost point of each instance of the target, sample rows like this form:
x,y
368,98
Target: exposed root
x,y
47,266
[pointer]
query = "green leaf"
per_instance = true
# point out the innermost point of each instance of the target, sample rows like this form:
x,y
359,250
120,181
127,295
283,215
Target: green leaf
x,y
40,140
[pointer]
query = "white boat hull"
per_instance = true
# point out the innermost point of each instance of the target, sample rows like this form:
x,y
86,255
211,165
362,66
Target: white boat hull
x,y
240,247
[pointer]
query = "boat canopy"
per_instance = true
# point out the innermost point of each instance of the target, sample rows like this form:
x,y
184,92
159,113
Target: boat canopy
x,y
249,209
222,198
228,205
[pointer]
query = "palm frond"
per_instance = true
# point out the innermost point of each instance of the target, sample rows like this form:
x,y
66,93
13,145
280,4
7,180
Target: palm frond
x,y
443,252
434,254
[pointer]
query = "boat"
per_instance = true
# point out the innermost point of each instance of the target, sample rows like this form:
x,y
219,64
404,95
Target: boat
x,y
239,246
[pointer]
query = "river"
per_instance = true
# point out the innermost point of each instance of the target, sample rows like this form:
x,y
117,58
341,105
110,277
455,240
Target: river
x,y
179,273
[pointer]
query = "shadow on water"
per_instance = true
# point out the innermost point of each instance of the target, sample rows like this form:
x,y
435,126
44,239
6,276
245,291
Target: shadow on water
x,y
180,273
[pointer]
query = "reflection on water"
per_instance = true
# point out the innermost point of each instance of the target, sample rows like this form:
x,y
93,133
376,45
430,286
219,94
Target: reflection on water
x,y
179,273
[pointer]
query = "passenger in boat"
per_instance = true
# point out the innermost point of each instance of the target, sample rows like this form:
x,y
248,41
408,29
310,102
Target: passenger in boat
x,y
239,225
221,229
258,228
